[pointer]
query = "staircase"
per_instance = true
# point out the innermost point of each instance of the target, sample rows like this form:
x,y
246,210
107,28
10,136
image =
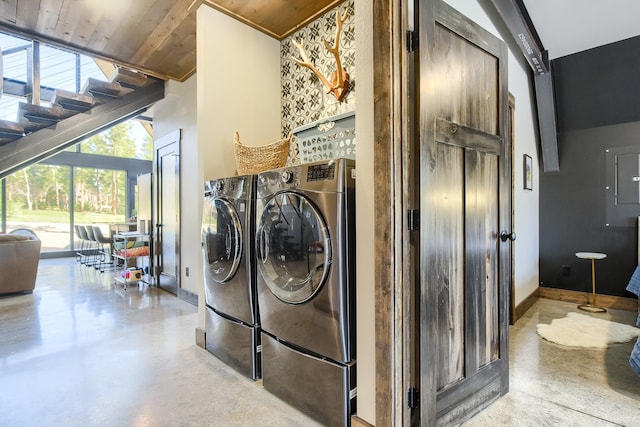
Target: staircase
x,y
41,132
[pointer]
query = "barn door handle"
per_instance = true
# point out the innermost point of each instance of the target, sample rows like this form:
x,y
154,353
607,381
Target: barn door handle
x,y
504,236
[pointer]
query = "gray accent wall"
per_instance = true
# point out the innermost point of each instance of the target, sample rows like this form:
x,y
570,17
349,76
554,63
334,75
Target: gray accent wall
x,y
573,215
598,87
598,108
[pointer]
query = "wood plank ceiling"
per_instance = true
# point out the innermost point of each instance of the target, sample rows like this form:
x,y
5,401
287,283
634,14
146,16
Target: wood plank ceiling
x,y
157,37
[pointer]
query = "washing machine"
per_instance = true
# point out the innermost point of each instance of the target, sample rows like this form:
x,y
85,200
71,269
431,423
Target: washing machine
x,y
232,327
305,242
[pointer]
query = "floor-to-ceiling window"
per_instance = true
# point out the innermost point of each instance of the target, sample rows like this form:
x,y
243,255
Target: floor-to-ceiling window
x,y
89,184
38,198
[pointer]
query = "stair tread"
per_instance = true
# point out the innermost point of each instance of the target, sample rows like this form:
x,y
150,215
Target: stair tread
x,y
9,127
10,131
101,89
131,79
40,114
31,127
72,101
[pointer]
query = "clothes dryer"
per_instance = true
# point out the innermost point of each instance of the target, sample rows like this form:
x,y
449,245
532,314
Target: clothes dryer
x,y
231,321
305,241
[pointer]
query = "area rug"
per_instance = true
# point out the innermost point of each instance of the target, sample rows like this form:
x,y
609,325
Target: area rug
x,y
579,330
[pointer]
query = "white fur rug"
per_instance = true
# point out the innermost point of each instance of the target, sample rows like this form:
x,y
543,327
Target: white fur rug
x,y
580,330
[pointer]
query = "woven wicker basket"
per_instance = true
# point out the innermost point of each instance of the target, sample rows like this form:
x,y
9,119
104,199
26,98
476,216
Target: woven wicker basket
x,y
252,160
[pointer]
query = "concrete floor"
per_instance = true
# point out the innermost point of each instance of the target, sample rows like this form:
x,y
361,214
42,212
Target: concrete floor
x,y
79,352
553,385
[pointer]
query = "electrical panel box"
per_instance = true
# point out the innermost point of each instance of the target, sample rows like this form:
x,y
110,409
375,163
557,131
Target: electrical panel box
x,y
622,188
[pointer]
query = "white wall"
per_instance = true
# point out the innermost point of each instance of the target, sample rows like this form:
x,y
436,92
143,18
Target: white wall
x,y
525,203
178,111
365,230
526,222
238,90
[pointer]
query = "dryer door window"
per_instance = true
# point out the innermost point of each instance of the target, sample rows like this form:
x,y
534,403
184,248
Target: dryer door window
x,y
222,240
294,248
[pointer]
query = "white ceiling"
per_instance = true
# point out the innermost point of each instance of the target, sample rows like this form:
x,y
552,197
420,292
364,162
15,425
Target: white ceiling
x,y
570,26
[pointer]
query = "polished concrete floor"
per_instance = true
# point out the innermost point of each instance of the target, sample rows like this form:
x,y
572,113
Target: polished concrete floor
x,y
81,352
553,385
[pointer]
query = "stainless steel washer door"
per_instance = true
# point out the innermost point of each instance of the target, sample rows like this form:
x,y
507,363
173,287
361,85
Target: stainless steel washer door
x,y
222,237
225,278
294,247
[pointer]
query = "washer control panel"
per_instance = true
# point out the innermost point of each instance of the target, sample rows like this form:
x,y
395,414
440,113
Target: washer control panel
x,y
325,172
237,187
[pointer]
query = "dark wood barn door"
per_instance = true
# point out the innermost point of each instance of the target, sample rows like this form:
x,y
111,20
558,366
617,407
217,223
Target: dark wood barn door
x,y
465,190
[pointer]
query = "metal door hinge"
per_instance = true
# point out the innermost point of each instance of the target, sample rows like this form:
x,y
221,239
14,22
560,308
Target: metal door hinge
x,y
413,398
413,219
412,40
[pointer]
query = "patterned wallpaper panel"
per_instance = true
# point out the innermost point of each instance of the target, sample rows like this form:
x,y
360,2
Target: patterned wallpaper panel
x,y
304,97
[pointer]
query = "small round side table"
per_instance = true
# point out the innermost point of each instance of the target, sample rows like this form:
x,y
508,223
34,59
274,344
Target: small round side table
x,y
593,256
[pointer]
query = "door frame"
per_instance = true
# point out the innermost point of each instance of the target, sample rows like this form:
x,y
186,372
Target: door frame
x,y
392,171
511,118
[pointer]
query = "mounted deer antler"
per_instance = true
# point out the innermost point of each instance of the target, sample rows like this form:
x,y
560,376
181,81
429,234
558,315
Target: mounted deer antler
x,y
339,84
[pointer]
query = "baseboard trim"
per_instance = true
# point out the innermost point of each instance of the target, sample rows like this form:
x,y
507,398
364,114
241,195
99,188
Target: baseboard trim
x,y
525,305
187,296
201,337
359,422
607,301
